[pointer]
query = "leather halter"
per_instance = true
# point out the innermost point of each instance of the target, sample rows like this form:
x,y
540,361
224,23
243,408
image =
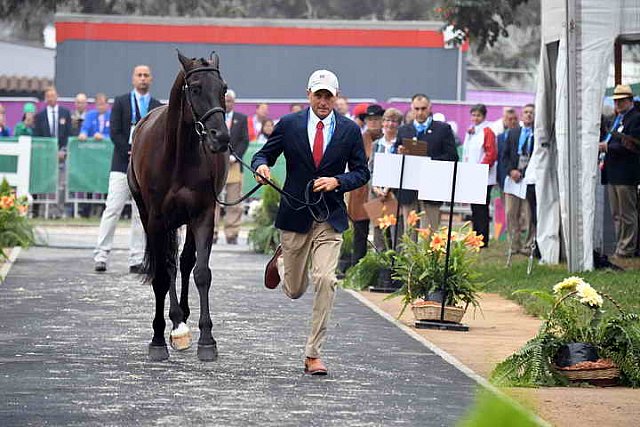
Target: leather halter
x,y
200,128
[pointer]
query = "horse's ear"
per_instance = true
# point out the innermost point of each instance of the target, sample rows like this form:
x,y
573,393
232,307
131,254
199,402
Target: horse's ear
x,y
184,61
214,60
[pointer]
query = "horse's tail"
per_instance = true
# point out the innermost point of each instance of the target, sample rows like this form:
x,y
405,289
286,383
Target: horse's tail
x,y
160,248
161,251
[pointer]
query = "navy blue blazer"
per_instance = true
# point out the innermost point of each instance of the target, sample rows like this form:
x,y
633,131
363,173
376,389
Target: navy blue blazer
x,y
41,126
345,149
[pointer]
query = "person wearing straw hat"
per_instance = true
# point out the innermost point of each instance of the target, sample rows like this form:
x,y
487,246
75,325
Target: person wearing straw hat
x,y
621,170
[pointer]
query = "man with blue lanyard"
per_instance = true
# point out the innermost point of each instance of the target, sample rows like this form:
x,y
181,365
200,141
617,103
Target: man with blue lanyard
x,y
127,111
441,145
521,213
621,170
318,144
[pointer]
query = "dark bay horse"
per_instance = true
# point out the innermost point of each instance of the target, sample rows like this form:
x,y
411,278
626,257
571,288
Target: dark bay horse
x,y
178,167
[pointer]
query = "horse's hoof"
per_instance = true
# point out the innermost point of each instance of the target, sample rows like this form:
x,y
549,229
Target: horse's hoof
x,y
158,353
207,353
180,338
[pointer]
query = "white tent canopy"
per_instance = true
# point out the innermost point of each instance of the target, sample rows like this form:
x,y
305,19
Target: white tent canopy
x,y
572,80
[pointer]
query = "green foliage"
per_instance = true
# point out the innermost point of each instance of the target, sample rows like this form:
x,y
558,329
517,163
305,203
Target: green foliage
x,y
346,249
619,340
484,21
616,336
15,227
491,410
420,266
365,273
265,237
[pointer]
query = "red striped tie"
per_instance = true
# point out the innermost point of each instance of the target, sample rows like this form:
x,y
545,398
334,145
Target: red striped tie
x,y
318,144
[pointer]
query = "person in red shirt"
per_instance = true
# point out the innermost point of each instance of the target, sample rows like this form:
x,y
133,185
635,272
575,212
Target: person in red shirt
x,y
480,147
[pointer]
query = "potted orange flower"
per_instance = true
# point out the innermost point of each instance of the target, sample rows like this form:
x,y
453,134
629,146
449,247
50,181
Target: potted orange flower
x,y
420,266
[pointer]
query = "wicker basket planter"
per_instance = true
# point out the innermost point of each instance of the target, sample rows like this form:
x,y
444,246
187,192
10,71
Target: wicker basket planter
x,y
602,373
430,310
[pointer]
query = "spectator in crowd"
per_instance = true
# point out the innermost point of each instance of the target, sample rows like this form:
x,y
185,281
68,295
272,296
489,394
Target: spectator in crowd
x,y
265,133
357,198
440,146
480,147
127,111
621,173
55,122
359,113
310,250
294,108
239,140
255,121
409,117
78,115
342,106
96,122
391,120
4,129
26,126
509,122
521,213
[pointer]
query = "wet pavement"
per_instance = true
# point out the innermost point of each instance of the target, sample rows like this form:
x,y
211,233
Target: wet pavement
x,y
73,351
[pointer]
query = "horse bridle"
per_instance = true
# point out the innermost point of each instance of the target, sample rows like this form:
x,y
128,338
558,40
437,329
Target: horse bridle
x,y
199,126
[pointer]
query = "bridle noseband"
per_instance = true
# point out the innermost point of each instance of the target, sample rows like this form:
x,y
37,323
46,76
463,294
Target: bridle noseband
x,y
199,126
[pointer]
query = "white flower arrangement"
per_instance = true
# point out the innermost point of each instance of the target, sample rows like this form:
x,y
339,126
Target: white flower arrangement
x,y
584,291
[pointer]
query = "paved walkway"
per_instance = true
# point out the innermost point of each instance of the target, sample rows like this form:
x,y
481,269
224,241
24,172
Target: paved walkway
x,y
73,349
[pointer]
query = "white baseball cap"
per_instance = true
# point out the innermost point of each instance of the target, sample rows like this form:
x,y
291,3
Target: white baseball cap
x,y
323,79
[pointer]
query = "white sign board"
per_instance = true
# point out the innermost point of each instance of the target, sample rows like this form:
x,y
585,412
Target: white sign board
x,y
432,178
471,182
21,150
387,168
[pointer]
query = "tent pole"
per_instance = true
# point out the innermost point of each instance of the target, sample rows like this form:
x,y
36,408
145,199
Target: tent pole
x,y
617,60
574,257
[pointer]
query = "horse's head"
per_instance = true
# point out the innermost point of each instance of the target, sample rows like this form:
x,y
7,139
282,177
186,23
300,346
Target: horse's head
x,y
204,90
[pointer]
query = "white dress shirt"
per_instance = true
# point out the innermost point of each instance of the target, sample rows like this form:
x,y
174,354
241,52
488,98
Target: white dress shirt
x,y
327,131
53,117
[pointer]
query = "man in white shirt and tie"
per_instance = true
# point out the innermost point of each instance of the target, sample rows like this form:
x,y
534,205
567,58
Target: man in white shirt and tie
x,y
55,122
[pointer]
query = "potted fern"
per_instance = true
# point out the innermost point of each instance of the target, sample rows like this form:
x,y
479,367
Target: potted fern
x,y
15,227
373,268
420,266
265,237
579,341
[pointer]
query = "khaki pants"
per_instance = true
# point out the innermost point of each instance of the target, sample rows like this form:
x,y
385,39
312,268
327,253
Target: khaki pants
x,y
315,252
519,220
623,201
233,214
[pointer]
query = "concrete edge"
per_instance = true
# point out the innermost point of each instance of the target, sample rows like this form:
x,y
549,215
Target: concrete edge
x,y
13,255
449,358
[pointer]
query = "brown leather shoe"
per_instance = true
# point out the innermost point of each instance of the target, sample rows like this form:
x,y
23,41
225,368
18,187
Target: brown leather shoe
x,y
271,276
314,366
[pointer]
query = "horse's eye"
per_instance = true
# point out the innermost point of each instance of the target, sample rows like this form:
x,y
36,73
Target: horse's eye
x,y
195,90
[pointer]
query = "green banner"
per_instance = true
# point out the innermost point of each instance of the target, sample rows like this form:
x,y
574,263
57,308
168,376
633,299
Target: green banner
x,y
43,177
278,171
88,165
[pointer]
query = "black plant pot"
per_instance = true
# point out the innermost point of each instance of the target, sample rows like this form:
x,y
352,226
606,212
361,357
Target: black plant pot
x,y
575,352
437,296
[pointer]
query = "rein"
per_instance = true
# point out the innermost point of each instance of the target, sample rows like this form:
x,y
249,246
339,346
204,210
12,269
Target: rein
x,y
319,216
